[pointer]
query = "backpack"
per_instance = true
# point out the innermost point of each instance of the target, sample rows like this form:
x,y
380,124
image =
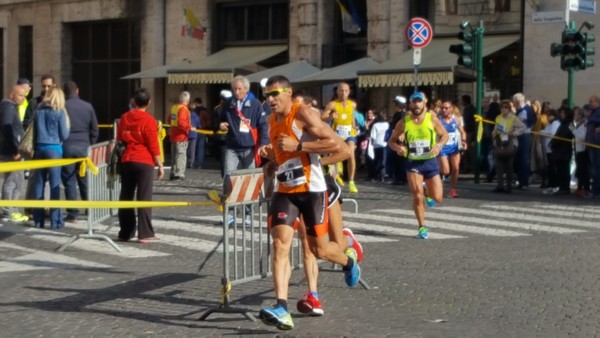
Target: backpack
x,y
114,164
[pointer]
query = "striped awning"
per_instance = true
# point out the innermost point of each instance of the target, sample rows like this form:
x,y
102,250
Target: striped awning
x,y
223,65
437,67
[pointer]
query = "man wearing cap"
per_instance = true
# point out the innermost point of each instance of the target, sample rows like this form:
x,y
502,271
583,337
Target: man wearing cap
x,y
24,107
395,165
420,137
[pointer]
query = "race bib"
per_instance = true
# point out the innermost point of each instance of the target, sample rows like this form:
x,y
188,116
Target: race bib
x,y
291,173
343,131
451,139
244,126
419,148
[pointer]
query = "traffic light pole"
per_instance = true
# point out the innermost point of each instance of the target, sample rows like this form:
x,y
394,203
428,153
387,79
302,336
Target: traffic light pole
x,y
479,89
571,81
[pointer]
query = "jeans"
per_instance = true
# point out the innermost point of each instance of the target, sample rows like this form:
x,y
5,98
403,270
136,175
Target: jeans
x,y
71,179
523,159
235,160
11,187
191,152
42,176
200,151
595,165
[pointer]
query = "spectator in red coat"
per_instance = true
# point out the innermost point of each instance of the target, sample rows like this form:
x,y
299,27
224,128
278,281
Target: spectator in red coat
x,y
139,131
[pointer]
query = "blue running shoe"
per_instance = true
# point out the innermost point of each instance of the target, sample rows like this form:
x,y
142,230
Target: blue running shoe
x,y
352,276
428,200
423,233
276,316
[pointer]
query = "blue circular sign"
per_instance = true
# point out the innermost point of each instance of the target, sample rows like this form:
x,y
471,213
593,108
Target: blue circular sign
x,y
418,32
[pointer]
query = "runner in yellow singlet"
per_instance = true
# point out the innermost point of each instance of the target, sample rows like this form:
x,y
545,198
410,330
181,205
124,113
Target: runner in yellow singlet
x,y
341,113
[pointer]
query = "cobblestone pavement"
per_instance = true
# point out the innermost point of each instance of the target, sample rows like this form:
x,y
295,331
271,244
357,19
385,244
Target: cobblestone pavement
x,y
516,265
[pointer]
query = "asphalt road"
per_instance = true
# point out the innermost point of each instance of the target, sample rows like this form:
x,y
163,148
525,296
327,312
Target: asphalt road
x,y
496,265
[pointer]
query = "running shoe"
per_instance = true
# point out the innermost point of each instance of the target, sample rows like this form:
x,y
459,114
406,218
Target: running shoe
x,y
352,276
310,305
355,244
276,316
428,200
17,217
452,193
423,233
352,187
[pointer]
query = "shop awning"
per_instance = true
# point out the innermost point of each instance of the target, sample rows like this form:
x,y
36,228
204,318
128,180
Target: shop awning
x,y
437,64
293,71
221,66
346,71
154,73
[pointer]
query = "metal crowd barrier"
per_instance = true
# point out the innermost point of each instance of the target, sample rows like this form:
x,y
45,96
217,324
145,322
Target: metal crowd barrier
x,y
246,248
100,188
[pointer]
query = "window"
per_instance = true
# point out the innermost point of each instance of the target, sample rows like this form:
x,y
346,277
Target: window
x,y
502,5
345,46
103,52
251,22
26,52
451,7
2,60
422,9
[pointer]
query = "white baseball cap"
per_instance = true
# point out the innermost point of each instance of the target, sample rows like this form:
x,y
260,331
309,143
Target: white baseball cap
x,y
400,99
263,82
225,94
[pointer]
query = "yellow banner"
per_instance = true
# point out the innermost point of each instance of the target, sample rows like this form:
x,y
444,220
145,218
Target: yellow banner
x,y
100,204
39,164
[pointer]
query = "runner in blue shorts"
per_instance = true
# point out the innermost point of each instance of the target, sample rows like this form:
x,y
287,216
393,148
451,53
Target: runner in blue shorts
x,y
420,137
449,158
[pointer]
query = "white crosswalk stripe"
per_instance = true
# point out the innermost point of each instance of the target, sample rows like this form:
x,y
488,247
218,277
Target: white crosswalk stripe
x,y
200,234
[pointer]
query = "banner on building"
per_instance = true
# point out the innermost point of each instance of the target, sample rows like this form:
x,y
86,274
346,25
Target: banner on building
x,y
192,25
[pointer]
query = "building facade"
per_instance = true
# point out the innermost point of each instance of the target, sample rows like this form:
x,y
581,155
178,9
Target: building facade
x,y
98,42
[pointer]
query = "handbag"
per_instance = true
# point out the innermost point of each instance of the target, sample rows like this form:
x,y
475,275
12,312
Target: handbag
x,y
27,146
504,149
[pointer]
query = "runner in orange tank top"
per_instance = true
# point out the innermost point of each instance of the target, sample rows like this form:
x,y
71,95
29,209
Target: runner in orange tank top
x,y
297,137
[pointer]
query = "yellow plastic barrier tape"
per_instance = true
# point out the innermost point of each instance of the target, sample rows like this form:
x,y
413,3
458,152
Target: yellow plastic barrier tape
x,y
39,164
99,204
225,291
539,133
214,196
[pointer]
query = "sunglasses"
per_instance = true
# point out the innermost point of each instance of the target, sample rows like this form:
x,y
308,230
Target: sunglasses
x,y
275,92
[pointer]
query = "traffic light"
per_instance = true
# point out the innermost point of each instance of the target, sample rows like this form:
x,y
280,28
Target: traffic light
x,y
574,49
464,51
583,50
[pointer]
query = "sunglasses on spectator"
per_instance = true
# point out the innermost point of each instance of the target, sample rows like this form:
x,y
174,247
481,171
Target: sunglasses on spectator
x,y
275,92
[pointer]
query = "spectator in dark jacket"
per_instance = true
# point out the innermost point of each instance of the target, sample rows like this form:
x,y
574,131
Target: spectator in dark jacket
x,y
83,133
562,151
246,124
592,136
11,135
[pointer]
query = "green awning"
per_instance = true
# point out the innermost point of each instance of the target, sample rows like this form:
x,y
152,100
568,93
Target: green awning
x,y
154,73
221,66
437,66
293,71
346,71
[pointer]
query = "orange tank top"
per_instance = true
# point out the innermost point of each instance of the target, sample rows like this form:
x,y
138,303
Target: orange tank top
x,y
296,171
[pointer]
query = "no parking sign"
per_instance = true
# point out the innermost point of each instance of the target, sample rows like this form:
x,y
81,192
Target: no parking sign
x,y
418,32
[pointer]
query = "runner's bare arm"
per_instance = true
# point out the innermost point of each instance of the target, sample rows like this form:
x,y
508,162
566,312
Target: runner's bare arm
x,y
442,136
328,113
398,132
343,154
327,141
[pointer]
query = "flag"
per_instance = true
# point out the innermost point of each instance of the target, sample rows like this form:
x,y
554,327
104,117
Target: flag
x,y
192,25
349,24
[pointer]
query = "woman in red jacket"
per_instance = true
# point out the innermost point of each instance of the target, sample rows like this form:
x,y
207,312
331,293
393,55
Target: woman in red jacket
x,y
138,130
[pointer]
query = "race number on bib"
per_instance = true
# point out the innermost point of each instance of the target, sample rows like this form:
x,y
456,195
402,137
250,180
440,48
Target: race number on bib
x,y
291,173
343,131
419,148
